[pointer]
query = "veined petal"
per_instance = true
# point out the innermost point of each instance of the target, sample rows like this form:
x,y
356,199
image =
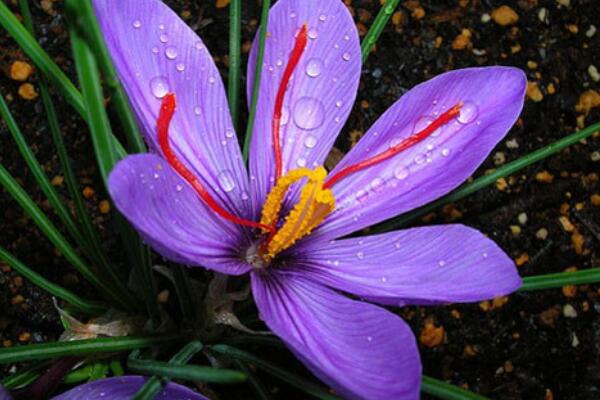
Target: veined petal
x,y
124,388
4,395
319,96
492,99
171,217
428,265
155,52
360,350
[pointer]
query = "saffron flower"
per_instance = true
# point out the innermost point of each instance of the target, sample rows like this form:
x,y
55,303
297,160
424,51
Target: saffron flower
x,y
195,203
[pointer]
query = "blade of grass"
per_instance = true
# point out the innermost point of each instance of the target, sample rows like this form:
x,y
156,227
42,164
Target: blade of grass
x,y
446,391
57,239
154,385
292,379
375,30
480,183
235,63
85,306
264,20
86,22
100,130
560,279
259,389
23,377
45,64
183,287
44,351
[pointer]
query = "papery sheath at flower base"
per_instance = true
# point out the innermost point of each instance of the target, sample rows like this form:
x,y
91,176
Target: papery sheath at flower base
x,y
281,222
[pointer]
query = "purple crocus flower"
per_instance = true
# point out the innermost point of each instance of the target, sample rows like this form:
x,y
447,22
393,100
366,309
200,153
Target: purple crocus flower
x,y
124,388
194,202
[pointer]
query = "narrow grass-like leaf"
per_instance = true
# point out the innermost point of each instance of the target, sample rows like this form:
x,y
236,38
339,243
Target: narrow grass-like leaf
x,y
79,375
45,351
560,279
184,290
292,379
259,389
154,385
186,372
116,368
40,176
446,391
23,377
264,20
235,62
480,183
85,306
54,235
86,22
375,30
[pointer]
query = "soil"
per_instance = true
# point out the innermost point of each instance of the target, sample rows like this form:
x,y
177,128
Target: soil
x,y
535,345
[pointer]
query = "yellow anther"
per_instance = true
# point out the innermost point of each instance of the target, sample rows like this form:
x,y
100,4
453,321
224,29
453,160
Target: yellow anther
x,y
314,205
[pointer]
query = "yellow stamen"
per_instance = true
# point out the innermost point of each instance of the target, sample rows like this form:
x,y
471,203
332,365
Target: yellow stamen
x,y
314,205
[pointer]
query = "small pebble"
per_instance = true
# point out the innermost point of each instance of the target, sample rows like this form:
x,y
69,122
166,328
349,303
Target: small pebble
x,y
565,3
27,91
595,156
163,297
575,340
569,291
533,92
431,335
522,259
104,207
57,180
515,230
462,41
512,144
504,16
88,192
522,217
591,31
499,158
24,337
542,234
593,72
588,100
543,15
485,18
20,70
566,224
569,311
595,199
544,177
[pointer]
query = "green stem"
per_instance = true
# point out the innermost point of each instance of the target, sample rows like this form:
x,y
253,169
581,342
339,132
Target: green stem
x,y
296,381
87,23
235,63
184,291
153,386
23,377
374,32
446,391
54,235
480,183
45,351
85,306
560,279
264,20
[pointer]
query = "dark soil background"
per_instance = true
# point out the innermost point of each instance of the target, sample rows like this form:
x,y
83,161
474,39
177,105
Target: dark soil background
x,y
537,345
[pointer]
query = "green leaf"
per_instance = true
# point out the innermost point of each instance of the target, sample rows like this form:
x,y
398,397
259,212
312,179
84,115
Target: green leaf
x,y
375,30
259,389
480,183
264,20
24,377
443,390
45,351
235,63
548,281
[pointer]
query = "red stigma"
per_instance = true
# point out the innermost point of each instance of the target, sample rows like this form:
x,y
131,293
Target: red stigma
x,y
299,47
167,109
392,151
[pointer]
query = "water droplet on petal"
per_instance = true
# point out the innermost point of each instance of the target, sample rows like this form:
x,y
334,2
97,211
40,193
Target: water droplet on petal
x,y
292,15
179,188
346,57
383,279
159,86
226,181
197,110
312,34
137,24
171,52
361,195
485,255
310,141
199,46
301,162
445,152
369,338
163,38
468,113
360,255
338,103
229,133
212,80
155,50
401,172
180,67
441,263
314,67
245,195
161,27
420,159
309,113
377,184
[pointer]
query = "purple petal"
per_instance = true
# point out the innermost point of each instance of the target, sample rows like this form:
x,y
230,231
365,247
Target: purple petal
x,y
4,394
429,265
172,218
155,52
124,388
360,350
492,97
320,94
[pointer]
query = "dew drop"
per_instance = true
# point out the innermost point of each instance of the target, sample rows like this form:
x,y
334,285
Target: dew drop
x,y
445,152
229,133
199,46
377,184
398,245
485,255
137,24
429,146
468,113
360,255
441,263
309,113
171,52
156,176
369,338
163,38
279,63
310,141
361,195
197,110
226,181
383,279
312,34
285,116
346,57
338,103
244,196
155,50
420,159
179,188
401,172
161,27
212,80
301,162
180,67
159,86
314,67
292,15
